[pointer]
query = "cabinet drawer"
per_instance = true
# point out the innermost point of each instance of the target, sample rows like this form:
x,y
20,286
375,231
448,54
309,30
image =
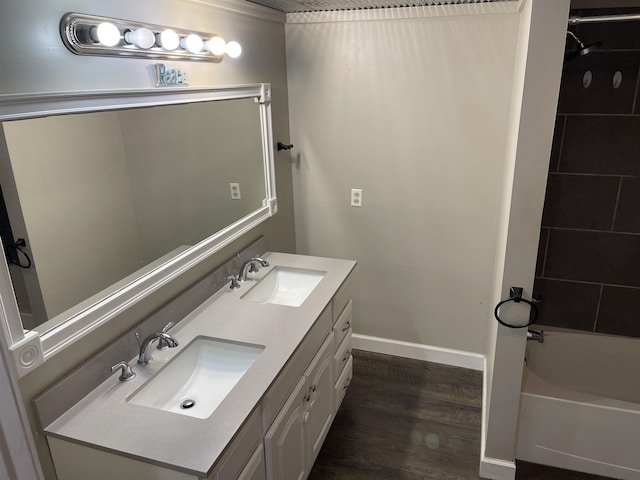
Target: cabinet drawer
x,y
342,355
341,298
343,326
343,382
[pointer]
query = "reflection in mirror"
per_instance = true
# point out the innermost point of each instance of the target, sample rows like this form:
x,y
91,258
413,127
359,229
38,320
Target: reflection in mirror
x,y
102,198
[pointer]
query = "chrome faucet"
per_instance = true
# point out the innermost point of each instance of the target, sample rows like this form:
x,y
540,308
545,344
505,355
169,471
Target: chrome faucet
x,y
537,335
250,267
145,357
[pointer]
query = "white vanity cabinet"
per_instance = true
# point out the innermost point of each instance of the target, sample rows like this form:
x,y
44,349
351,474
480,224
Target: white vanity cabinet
x,y
290,413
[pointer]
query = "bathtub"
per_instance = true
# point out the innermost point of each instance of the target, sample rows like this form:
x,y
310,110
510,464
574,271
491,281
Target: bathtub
x,y
580,404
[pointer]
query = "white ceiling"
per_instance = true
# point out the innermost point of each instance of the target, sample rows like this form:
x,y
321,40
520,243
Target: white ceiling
x,y
290,6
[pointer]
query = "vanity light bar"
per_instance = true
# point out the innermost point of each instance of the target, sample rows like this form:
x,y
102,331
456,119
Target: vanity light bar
x,y
93,35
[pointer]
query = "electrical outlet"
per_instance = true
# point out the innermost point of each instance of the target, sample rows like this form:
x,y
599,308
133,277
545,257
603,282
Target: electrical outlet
x,y
356,197
235,191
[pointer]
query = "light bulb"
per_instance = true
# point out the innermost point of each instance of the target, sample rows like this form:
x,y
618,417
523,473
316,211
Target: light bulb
x,y
192,42
233,49
141,38
216,45
107,34
169,39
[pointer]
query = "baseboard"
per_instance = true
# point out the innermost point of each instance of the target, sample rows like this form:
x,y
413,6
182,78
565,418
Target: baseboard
x,y
497,469
417,351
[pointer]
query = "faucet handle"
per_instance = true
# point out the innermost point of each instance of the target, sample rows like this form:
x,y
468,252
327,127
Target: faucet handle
x,y
262,261
167,327
126,374
162,343
253,268
234,282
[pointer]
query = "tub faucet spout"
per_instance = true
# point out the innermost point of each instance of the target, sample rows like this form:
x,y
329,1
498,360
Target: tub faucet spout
x,y
537,335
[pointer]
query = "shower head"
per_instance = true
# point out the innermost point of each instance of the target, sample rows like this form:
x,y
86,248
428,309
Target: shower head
x,y
582,49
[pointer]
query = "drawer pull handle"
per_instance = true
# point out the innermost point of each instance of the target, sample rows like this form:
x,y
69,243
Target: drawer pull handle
x,y
312,389
347,356
346,385
346,327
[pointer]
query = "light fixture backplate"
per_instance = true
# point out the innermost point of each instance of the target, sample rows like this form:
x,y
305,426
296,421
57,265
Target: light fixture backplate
x,y
75,28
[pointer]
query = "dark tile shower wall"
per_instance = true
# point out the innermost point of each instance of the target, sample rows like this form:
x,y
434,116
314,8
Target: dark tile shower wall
x,y
588,271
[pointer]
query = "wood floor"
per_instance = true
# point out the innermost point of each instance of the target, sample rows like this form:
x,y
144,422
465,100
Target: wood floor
x,y
408,420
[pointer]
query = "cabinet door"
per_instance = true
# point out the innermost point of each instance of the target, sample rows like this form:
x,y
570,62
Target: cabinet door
x,y
284,443
320,398
255,468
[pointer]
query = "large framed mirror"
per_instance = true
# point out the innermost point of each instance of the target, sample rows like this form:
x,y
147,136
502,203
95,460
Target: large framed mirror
x,y
105,197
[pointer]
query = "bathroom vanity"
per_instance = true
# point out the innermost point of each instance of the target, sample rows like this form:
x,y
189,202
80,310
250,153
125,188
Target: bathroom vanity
x,y
250,392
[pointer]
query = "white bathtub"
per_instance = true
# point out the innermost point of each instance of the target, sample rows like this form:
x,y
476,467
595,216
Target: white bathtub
x,y
580,404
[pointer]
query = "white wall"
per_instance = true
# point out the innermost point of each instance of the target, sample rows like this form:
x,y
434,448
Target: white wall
x,y
415,111
38,62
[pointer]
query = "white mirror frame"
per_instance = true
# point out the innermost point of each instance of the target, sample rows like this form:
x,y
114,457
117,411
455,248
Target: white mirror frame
x,y
31,348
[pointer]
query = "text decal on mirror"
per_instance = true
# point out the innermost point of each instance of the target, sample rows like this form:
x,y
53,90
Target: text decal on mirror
x,y
170,77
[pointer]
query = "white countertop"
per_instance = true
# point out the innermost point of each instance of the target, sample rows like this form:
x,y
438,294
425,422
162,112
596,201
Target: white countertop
x,y
105,420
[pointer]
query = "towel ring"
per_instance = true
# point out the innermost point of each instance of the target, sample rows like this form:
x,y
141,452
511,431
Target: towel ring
x,y
515,295
13,251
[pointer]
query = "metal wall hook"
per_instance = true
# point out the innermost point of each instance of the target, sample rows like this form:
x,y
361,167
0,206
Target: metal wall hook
x,y
284,146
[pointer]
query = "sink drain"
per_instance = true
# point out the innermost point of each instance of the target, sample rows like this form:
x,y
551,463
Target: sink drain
x,y
187,404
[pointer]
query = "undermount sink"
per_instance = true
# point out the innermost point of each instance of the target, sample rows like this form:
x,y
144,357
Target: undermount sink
x,y
285,286
199,378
